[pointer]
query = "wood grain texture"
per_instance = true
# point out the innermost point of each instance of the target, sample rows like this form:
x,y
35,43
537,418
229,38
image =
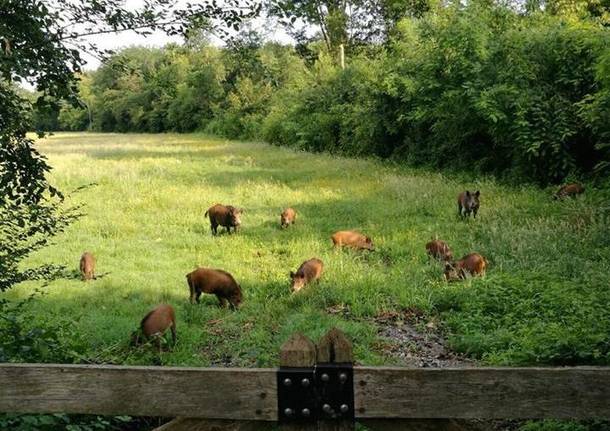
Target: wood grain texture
x,y
238,394
193,424
298,351
334,347
486,393
214,393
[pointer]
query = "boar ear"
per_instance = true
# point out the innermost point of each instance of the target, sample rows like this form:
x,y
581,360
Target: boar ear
x,y
477,193
467,193
292,274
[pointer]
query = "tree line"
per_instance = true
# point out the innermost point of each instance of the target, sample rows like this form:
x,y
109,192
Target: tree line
x,y
518,91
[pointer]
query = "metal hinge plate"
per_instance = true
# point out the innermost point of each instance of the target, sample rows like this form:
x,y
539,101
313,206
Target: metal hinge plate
x,y
325,392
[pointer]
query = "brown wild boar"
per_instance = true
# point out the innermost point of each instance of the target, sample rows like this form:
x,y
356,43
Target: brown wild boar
x,y
155,324
468,203
569,190
87,266
226,216
439,250
287,217
471,265
215,282
352,239
309,271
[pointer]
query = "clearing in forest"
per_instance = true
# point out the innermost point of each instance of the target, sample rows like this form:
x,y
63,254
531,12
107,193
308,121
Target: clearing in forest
x,y
544,299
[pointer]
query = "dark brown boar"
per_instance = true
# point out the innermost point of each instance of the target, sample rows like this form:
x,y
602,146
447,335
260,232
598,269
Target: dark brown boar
x,y
288,217
226,216
87,266
468,202
569,190
155,324
215,282
439,250
309,271
352,239
472,265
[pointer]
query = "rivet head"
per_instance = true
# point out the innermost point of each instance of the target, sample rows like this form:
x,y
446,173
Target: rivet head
x,y
344,408
343,377
327,409
325,377
305,382
288,412
306,412
287,382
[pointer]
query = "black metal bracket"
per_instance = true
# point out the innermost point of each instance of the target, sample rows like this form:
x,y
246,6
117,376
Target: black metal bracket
x,y
325,392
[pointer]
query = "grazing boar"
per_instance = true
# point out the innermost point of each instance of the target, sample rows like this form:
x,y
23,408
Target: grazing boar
x,y
155,324
309,271
472,265
468,203
569,190
288,217
216,282
352,239
439,250
87,266
226,216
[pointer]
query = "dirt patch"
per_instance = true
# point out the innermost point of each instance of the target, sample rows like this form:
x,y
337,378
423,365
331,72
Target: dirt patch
x,y
416,340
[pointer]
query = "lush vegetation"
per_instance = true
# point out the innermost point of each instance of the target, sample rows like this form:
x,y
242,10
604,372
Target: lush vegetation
x,y
481,88
544,300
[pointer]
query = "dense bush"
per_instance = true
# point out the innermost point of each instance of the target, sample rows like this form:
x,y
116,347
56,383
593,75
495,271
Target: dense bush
x,y
481,88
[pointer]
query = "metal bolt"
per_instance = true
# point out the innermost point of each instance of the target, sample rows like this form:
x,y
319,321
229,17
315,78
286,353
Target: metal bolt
x,y
306,412
325,377
288,412
327,409
344,408
305,382
343,377
287,382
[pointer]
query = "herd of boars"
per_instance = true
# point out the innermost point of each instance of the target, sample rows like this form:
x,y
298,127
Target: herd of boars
x,y
226,289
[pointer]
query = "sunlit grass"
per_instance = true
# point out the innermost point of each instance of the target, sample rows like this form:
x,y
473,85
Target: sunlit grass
x,y
544,298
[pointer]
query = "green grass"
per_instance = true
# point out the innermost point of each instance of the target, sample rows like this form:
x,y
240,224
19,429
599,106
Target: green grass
x,y
544,300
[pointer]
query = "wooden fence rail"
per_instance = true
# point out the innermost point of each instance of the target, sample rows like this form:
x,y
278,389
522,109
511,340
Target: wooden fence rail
x,y
251,394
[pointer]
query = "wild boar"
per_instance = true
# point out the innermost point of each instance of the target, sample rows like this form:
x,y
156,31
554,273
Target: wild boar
x,y
569,190
155,324
309,271
215,282
472,265
226,216
352,239
287,217
468,203
439,250
87,266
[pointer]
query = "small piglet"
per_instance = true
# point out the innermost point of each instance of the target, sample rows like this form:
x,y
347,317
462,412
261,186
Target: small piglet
x,y
155,324
309,271
288,217
215,282
468,203
87,266
439,250
472,265
569,190
352,239
226,216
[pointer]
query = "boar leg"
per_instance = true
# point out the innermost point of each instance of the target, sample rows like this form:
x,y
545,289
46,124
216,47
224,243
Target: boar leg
x,y
173,329
214,227
474,212
222,301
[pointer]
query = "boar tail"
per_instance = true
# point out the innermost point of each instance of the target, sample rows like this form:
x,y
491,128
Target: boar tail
x,y
206,213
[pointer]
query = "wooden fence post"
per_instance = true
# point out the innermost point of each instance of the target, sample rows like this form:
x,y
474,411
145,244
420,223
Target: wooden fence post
x,y
299,351
335,348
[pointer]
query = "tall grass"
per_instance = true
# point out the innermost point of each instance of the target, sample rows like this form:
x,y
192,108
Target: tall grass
x,y
544,299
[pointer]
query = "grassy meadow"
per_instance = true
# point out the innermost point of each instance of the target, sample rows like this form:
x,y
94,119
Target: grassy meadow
x,y
545,298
